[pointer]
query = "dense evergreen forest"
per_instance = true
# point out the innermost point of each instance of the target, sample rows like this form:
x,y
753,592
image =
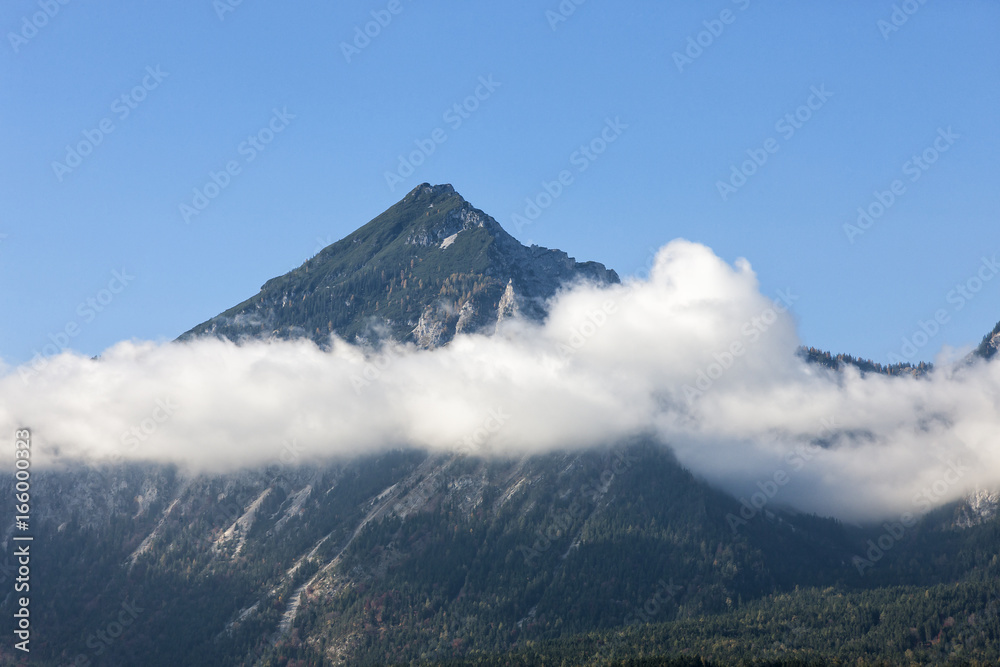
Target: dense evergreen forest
x,y
599,558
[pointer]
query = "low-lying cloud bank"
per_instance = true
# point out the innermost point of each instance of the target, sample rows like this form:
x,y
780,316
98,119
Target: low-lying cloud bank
x,y
695,356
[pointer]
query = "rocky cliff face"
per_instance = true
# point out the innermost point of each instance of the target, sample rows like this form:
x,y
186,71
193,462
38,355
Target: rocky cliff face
x,y
979,508
991,344
431,267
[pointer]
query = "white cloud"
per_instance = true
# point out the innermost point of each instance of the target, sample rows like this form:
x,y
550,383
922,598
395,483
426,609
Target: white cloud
x,y
695,356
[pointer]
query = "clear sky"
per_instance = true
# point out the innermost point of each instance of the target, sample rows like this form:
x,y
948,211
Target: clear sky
x,y
114,113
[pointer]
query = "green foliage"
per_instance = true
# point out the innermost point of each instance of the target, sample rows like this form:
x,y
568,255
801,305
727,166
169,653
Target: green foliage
x,y
601,558
836,362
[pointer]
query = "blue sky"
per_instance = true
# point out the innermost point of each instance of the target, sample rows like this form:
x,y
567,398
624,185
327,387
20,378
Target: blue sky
x,y
330,122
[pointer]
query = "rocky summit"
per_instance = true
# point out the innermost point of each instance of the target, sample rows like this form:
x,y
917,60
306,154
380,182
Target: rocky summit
x,y
430,267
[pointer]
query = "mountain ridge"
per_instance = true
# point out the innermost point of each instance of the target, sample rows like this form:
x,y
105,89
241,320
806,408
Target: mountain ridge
x,y
429,267
477,275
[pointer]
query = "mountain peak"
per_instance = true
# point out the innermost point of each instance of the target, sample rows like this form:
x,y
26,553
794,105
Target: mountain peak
x,y
437,213
429,267
443,189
